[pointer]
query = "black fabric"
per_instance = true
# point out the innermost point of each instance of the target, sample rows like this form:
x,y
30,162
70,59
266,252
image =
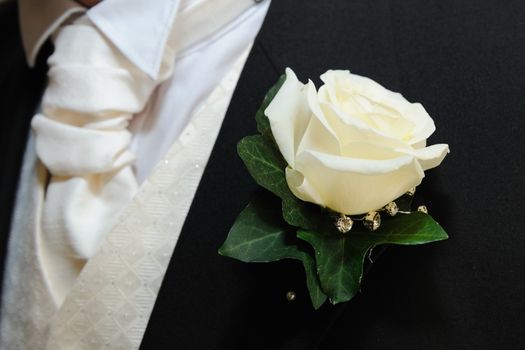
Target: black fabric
x,y
464,61
20,91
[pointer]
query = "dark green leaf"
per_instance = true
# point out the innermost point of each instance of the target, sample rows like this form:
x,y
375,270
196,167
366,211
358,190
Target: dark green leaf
x,y
301,214
260,235
317,296
416,228
267,166
340,257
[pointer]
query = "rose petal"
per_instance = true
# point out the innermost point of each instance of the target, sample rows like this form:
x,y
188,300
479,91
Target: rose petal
x,y
356,165
424,123
289,116
369,150
420,144
345,82
319,134
355,186
429,157
350,130
378,116
313,103
301,187
341,83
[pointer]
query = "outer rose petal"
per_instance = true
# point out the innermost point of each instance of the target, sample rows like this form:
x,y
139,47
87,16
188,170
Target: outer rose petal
x,y
289,115
354,186
319,134
429,157
424,126
301,187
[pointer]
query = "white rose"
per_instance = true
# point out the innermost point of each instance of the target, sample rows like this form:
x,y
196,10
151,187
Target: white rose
x,y
353,146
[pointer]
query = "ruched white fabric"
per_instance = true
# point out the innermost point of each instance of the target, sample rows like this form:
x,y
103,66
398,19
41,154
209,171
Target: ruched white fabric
x,y
82,138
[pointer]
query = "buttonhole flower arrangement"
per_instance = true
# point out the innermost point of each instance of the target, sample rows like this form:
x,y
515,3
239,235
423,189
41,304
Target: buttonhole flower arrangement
x,y
340,165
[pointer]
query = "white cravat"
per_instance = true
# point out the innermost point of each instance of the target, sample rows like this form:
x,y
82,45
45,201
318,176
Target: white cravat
x,y
82,139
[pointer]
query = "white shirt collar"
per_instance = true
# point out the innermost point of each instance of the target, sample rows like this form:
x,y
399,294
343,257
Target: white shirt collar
x,y
143,43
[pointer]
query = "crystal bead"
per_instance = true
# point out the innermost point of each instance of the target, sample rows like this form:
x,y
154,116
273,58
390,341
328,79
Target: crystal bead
x,y
344,223
391,208
372,220
411,191
422,209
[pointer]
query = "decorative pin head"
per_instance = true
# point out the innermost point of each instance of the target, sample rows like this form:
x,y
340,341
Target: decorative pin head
x,y
391,208
344,223
411,191
372,220
422,209
290,296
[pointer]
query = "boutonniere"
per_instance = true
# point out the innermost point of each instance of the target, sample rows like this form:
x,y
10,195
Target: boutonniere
x,y
342,164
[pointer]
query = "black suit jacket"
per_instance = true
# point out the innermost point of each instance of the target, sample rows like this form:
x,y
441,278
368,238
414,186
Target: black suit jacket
x,y
464,60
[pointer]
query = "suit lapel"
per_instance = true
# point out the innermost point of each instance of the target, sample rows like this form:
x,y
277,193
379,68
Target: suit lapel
x,y
211,302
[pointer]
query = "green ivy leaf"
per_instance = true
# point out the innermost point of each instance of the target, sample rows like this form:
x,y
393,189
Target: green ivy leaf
x,y
267,167
260,235
301,214
265,164
340,257
317,296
